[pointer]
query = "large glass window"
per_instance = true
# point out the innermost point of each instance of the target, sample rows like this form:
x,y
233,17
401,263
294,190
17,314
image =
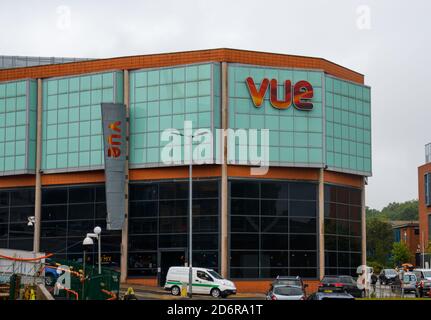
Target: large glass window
x,y
427,189
273,229
158,219
16,206
342,230
68,214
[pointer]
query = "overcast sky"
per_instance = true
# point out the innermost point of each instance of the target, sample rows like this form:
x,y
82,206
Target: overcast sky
x,y
387,41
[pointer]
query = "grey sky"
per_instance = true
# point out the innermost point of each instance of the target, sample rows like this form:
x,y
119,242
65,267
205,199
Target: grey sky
x,y
394,53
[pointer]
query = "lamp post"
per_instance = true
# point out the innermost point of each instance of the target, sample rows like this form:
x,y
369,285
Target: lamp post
x,y
89,241
190,293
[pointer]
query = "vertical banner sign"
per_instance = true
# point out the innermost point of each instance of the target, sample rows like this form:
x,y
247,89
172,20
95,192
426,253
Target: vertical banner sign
x,y
114,138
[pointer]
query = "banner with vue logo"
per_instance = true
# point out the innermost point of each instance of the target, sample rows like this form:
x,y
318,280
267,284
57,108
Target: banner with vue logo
x,y
114,138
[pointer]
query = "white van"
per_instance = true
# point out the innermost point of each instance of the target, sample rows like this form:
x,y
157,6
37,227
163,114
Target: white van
x,y
205,281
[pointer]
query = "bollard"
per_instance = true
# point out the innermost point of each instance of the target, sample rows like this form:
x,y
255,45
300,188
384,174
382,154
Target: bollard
x,y
183,289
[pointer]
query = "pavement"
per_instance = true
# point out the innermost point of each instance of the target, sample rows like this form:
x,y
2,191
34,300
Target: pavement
x,y
143,292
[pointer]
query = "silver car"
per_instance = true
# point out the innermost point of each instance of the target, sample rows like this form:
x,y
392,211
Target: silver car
x,y
409,282
283,292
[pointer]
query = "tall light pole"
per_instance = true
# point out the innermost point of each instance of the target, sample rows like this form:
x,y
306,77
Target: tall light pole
x,y
89,241
190,291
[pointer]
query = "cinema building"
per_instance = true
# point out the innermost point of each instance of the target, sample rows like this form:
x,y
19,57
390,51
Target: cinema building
x,y
304,215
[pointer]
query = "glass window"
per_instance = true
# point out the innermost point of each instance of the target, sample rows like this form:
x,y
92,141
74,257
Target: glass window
x,y
282,217
244,189
303,209
244,224
274,207
244,241
244,259
244,207
143,192
302,191
274,190
81,195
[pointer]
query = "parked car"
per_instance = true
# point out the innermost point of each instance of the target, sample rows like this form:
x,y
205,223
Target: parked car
x,y
387,276
289,281
285,292
330,296
205,281
423,282
409,282
341,284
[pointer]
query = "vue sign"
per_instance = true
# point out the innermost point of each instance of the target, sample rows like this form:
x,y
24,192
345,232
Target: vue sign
x,y
302,93
114,146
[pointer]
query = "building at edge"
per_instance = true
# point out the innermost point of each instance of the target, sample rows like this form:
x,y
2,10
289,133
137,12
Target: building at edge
x,y
305,216
424,198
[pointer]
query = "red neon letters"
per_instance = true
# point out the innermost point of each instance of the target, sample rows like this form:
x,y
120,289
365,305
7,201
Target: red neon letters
x,y
113,150
302,92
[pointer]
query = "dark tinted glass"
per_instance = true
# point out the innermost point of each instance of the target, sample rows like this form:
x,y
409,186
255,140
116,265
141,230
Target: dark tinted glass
x,y
205,241
244,189
143,192
274,259
100,194
173,225
170,241
303,225
80,227
244,259
275,241
143,226
274,190
274,207
244,207
4,215
22,197
173,208
303,209
244,224
21,244
355,197
143,209
205,224
302,191
54,195
142,243
4,198
81,211
58,212
4,231
303,242
20,214
205,259
244,241
173,190
303,259
20,230
275,224
81,194
205,189
205,207
143,260
54,229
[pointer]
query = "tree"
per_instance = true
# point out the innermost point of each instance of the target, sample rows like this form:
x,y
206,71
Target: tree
x,y
404,211
400,253
379,240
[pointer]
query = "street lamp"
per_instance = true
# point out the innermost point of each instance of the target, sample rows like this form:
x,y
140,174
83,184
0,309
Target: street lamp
x,y
88,241
31,221
190,207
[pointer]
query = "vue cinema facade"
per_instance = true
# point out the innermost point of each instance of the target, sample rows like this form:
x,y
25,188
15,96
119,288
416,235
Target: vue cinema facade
x,y
303,216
